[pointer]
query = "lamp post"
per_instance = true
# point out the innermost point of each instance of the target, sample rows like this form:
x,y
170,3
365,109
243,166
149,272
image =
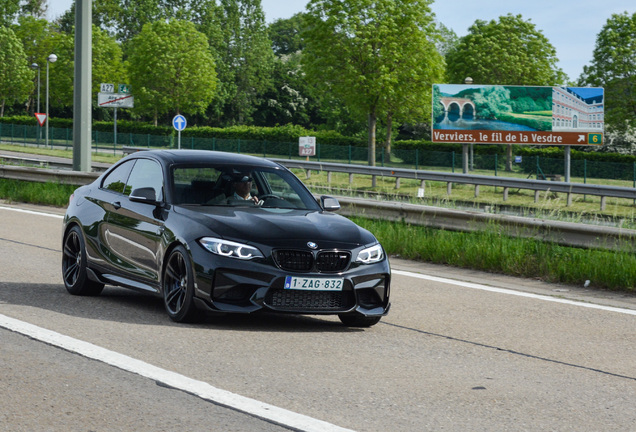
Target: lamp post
x,y
51,59
35,66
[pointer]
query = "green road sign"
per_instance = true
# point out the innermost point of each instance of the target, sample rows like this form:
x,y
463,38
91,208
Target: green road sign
x,y
124,88
595,138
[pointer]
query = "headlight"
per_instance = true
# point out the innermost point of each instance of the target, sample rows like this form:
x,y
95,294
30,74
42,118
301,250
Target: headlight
x,y
371,255
230,249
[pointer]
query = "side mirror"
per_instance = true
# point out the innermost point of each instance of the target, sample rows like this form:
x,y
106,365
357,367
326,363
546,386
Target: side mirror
x,y
145,195
329,203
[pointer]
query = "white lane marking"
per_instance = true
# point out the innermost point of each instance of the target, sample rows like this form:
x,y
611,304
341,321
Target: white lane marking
x,y
202,389
33,212
513,292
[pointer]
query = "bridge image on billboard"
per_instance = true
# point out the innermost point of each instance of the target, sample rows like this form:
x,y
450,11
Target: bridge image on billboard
x,y
491,114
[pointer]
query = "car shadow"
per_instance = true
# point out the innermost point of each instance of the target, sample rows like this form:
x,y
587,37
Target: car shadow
x,y
127,306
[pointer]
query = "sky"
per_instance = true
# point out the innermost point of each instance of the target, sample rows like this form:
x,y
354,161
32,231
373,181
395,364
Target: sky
x,y
571,26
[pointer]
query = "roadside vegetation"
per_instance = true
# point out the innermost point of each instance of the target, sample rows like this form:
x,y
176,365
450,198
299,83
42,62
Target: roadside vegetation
x,y
487,251
50,194
492,252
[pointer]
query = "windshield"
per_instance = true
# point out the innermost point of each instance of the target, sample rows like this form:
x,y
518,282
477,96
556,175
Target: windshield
x,y
239,186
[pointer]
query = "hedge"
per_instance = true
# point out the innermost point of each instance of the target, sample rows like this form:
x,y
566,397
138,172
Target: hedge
x,y
405,149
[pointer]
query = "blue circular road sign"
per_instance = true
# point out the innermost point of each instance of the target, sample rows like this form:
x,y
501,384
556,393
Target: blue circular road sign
x,y
179,122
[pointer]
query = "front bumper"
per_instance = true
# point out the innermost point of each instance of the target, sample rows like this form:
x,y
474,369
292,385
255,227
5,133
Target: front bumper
x,y
229,285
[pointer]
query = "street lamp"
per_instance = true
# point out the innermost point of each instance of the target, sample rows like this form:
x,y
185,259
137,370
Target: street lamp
x,y
35,66
50,59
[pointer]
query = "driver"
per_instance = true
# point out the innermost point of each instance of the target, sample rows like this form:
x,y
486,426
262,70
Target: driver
x,y
242,185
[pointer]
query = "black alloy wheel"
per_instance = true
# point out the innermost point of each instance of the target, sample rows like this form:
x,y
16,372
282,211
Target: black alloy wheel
x,y
74,263
178,287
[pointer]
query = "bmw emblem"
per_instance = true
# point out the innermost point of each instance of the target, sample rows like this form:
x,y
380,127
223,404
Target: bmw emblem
x,y
312,245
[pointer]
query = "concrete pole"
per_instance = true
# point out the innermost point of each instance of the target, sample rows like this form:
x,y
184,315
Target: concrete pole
x,y
82,116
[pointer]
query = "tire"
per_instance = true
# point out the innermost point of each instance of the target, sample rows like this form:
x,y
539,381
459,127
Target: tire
x,y
178,287
74,265
359,320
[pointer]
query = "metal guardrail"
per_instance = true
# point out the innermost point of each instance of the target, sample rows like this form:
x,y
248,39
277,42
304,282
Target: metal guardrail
x,y
565,233
43,175
506,183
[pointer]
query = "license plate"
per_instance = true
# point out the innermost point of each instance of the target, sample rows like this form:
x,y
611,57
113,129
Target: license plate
x,y
314,284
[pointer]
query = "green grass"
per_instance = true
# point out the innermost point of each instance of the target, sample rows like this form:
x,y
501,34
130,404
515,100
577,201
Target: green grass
x,y
492,252
52,194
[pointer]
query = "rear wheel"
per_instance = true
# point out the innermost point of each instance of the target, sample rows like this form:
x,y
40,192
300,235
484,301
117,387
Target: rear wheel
x,y
359,320
74,264
178,287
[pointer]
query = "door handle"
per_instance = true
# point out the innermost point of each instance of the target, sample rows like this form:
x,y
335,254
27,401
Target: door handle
x,y
117,205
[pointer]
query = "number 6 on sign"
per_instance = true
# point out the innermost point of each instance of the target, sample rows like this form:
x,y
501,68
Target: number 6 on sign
x,y
594,138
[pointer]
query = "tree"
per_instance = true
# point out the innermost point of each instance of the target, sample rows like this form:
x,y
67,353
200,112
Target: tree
x,y
286,100
61,73
35,35
509,51
15,75
285,35
613,67
34,8
448,39
245,60
106,14
361,50
107,64
8,11
171,69
417,66
289,99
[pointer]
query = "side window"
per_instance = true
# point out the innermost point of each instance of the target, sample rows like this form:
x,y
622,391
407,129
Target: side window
x,y
146,174
116,180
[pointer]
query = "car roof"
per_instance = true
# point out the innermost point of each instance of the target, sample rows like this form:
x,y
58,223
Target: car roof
x,y
169,157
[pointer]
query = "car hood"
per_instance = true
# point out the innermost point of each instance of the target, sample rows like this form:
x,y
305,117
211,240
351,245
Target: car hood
x,y
279,226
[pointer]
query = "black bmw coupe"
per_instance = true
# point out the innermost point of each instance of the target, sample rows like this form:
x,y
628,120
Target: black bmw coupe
x,y
220,232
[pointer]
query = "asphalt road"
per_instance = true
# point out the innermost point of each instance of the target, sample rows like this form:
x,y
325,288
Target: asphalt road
x,y
460,351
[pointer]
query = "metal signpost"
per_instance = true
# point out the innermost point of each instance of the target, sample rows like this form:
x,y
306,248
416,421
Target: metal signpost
x,y
544,116
107,98
307,146
179,122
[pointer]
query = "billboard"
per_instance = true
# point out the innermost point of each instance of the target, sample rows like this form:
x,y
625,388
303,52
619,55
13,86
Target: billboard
x,y
492,114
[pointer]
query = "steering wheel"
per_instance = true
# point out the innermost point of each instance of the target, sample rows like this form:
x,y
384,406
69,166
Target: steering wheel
x,y
267,196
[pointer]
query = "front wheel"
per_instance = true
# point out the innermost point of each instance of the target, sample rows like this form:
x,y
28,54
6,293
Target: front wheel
x,y
74,265
359,320
178,287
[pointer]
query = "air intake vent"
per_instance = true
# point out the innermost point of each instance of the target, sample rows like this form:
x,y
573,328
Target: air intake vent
x,y
332,261
309,301
294,260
